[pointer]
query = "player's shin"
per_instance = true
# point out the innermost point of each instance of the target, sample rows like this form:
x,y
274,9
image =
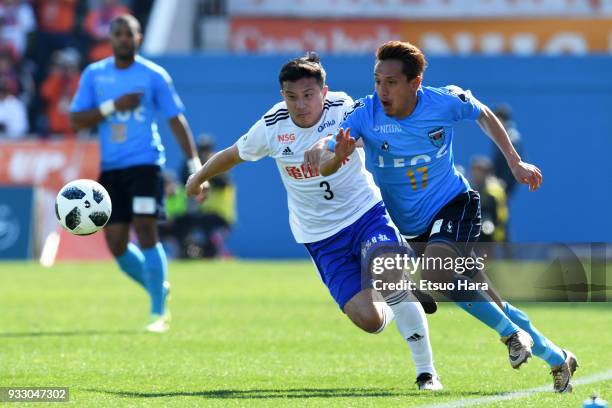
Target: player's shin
x,y
132,263
412,325
156,266
480,305
542,347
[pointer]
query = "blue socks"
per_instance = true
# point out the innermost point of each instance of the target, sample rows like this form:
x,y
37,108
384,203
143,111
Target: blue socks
x,y
132,263
156,267
480,305
542,347
148,267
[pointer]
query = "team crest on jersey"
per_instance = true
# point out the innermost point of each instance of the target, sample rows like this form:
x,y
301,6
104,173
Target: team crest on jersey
x,y
437,136
385,146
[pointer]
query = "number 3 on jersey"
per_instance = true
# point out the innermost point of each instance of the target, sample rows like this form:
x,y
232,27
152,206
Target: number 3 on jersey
x,y
330,194
413,180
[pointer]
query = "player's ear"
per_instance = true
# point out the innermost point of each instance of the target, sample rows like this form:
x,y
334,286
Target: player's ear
x,y
324,91
416,82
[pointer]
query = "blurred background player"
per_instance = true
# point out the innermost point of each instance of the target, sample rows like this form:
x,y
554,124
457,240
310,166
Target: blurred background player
x,y
499,166
121,95
332,216
407,134
215,217
493,205
198,229
58,89
13,115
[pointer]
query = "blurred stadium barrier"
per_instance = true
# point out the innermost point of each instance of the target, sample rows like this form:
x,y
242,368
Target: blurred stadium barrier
x,y
16,221
45,166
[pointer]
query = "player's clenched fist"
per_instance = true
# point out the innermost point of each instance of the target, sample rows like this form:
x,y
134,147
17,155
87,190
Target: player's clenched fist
x,y
527,174
197,189
128,101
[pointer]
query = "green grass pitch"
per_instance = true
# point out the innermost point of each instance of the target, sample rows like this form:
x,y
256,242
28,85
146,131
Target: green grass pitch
x,y
260,334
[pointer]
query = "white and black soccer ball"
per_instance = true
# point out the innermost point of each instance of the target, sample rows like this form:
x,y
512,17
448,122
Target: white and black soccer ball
x,y
83,207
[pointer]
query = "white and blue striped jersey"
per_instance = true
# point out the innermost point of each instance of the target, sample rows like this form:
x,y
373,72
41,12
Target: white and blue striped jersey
x,y
319,206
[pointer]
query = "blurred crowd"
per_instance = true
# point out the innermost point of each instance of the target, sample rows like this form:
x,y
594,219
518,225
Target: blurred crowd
x,y
198,230
44,44
492,178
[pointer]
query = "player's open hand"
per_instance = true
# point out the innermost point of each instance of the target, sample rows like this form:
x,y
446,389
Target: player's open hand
x,y
345,144
128,101
527,174
196,189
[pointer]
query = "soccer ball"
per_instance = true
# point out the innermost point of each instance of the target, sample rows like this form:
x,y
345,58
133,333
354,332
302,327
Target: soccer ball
x,y
83,207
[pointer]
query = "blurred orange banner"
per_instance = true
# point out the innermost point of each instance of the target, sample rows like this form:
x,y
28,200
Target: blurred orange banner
x,y
522,37
412,9
287,35
436,37
48,164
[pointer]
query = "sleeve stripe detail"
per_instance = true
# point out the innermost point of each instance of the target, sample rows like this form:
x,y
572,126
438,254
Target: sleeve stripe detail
x,y
337,102
283,113
278,112
270,122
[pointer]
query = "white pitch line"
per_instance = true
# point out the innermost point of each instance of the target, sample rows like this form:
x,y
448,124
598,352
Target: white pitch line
x,y
467,402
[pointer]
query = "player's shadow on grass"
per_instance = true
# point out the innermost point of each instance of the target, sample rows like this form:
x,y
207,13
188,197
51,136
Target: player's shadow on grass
x,y
292,393
71,333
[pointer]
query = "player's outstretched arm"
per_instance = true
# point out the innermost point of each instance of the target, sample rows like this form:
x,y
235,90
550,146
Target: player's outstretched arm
x,y
525,173
91,117
221,162
182,132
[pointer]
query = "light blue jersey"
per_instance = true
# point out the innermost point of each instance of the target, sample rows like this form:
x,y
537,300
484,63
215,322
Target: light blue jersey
x,y
129,138
412,158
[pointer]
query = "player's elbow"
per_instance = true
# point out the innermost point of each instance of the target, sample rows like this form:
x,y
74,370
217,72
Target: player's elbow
x,y
75,122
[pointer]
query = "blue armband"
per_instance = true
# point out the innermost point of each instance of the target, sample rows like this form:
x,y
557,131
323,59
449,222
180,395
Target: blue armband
x,y
331,145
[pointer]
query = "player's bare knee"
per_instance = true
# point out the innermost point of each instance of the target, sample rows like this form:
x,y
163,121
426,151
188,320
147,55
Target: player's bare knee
x,y
365,316
116,249
146,231
370,323
116,241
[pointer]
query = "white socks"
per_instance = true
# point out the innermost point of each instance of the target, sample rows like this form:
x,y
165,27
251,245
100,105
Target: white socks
x,y
412,325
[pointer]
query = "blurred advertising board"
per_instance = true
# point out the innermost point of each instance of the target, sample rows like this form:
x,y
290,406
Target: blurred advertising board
x,y
45,166
16,221
286,35
545,36
420,9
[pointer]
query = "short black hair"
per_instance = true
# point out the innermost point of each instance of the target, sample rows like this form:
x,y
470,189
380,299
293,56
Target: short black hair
x,y
128,19
308,66
411,57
